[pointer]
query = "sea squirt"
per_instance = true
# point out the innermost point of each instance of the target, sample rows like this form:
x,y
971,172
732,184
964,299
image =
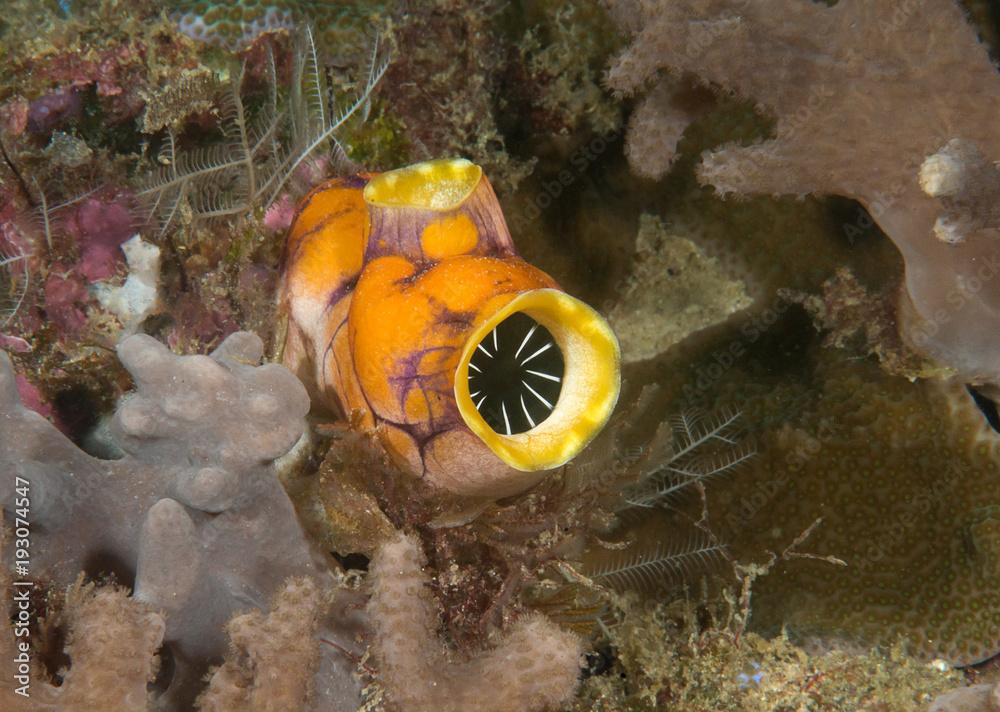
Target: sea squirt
x,y
411,314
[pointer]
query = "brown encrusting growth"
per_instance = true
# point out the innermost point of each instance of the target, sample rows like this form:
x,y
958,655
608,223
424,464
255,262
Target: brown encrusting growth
x,y
273,657
853,315
862,92
533,667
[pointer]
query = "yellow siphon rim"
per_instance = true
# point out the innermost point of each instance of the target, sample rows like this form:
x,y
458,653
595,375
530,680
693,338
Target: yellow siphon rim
x,y
590,387
442,184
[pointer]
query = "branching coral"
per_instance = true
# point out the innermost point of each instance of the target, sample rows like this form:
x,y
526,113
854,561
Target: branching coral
x,y
533,667
968,187
274,657
112,644
193,510
843,82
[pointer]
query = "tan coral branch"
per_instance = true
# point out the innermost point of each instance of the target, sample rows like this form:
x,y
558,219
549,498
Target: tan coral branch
x,y
534,667
274,657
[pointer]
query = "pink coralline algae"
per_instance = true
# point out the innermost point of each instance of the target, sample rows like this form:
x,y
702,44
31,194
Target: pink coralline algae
x,y
66,299
116,73
863,92
32,398
99,227
53,110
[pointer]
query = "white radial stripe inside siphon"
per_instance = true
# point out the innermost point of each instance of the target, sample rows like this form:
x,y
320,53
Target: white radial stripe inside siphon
x,y
526,413
524,343
538,395
540,351
543,375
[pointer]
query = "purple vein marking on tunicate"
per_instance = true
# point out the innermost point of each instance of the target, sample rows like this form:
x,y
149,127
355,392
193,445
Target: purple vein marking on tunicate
x,y
506,420
544,348
523,343
526,413
328,354
543,375
409,375
538,395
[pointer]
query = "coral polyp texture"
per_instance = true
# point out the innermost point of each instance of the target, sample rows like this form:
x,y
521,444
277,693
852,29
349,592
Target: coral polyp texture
x,y
533,667
274,657
192,512
112,643
862,93
906,479
236,23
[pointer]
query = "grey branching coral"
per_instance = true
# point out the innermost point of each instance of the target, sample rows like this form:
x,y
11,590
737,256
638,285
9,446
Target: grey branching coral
x,y
193,511
863,92
534,667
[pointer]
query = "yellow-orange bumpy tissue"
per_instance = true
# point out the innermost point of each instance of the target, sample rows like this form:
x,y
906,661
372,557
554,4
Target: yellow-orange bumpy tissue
x,y
411,313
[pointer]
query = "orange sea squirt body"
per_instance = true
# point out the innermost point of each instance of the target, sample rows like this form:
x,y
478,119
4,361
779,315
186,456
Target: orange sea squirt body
x,y
386,280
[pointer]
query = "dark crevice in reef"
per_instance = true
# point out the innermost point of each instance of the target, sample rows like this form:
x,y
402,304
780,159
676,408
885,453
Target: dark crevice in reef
x,y
987,407
104,564
79,409
355,561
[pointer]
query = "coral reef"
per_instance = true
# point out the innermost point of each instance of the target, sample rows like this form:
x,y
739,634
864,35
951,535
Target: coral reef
x,y
236,23
855,318
450,105
193,511
674,290
274,657
903,474
562,58
111,644
666,660
810,66
535,664
977,698
890,103
264,150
